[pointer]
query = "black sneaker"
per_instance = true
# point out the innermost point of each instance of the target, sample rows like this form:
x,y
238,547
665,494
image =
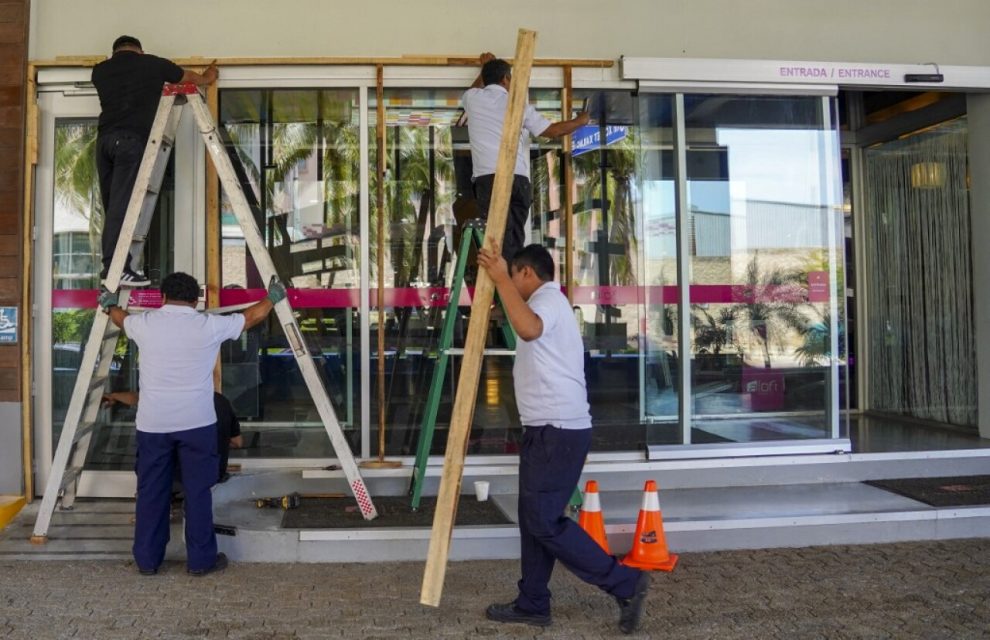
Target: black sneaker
x,y
631,609
131,278
510,613
219,565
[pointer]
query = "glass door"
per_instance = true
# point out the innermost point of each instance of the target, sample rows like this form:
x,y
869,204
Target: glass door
x,y
69,218
301,153
763,202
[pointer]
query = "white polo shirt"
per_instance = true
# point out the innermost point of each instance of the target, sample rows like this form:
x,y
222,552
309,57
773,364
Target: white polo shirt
x,y
178,349
485,110
548,375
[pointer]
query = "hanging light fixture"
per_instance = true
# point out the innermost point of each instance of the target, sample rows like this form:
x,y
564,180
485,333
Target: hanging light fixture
x,y
927,175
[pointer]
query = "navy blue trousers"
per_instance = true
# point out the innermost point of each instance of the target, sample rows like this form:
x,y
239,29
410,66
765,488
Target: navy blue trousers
x,y
157,454
550,464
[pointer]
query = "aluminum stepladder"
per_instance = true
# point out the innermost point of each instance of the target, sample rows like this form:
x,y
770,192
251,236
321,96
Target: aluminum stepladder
x,y
94,369
472,234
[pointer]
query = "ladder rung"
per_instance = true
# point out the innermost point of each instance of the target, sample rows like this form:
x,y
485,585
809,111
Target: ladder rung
x,y
98,382
459,351
84,430
138,239
71,475
111,334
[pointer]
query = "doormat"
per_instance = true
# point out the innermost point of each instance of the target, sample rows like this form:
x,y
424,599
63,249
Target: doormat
x,y
393,511
959,491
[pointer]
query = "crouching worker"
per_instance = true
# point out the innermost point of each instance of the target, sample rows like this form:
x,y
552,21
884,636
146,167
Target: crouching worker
x,y
228,426
548,377
176,420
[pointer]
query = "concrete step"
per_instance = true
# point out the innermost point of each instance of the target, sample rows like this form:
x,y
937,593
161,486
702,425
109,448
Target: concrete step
x,y
695,519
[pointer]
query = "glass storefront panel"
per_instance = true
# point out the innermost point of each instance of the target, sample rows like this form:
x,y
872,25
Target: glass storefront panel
x,y
618,254
762,207
661,350
77,226
428,195
301,155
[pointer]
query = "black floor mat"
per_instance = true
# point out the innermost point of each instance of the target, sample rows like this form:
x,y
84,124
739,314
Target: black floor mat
x,y
343,513
960,491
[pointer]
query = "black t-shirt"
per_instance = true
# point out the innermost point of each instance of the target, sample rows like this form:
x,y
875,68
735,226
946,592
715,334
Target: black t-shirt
x,y
130,85
228,426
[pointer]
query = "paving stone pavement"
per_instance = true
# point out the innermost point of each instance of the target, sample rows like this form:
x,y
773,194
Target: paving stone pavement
x,y
905,590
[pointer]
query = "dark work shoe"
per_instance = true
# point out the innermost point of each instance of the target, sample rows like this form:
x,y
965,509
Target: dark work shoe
x,y
509,613
631,609
131,278
147,572
220,565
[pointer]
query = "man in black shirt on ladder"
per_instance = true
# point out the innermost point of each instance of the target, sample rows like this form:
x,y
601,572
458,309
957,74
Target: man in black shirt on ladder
x,y
129,85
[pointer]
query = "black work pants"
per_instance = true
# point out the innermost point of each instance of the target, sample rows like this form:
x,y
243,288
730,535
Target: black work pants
x,y
118,157
550,464
519,203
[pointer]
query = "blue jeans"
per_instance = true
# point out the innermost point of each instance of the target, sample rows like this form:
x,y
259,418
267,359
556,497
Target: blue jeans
x,y
196,451
550,464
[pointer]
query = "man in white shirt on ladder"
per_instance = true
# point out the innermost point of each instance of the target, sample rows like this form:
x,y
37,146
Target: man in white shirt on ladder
x,y
485,104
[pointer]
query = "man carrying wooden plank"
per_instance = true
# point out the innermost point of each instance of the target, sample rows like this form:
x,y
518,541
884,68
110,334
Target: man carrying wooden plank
x,y
485,104
552,398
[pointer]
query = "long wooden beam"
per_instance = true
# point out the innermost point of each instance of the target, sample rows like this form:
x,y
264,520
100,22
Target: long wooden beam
x,y
213,240
27,299
467,384
568,199
396,61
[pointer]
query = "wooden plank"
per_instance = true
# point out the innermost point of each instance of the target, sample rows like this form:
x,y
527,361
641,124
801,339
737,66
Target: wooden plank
x,y
12,32
9,264
12,12
9,356
467,384
12,75
11,395
12,116
9,243
10,184
10,138
568,199
410,60
10,378
30,160
10,290
213,231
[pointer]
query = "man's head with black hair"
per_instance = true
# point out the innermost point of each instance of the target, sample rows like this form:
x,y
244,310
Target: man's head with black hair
x,y
180,287
537,258
495,71
127,42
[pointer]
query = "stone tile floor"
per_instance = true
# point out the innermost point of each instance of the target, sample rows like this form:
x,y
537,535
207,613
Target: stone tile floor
x,y
905,590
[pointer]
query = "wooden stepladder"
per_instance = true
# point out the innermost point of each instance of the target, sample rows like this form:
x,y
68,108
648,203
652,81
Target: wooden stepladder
x,y
473,234
94,369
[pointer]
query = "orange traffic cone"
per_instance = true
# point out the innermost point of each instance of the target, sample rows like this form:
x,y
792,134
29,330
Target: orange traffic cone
x,y
590,518
649,550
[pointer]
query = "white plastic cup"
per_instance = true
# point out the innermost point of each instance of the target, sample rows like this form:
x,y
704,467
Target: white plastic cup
x,y
481,490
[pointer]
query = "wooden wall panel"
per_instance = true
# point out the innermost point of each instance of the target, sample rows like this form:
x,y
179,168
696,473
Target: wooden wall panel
x,y
13,65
